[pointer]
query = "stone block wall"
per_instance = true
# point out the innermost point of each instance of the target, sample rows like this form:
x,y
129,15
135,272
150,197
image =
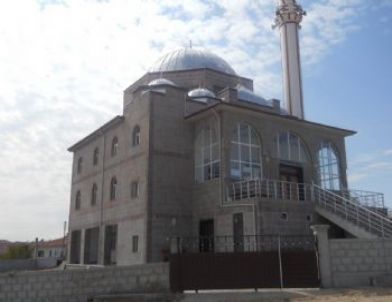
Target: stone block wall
x,y
352,262
357,262
82,285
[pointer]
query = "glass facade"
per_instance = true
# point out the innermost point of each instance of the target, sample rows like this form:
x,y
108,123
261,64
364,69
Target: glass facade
x,y
207,155
245,156
328,167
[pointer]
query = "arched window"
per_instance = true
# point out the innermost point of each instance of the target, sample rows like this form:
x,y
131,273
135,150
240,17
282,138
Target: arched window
x,y
95,156
113,188
94,190
328,167
245,154
290,147
80,165
78,200
206,155
114,146
136,136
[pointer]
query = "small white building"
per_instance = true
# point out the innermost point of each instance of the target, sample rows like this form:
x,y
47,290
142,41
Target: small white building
x,y
51,249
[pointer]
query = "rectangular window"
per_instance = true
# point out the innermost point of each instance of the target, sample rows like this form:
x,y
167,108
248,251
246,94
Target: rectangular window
x,y
134,189
135,244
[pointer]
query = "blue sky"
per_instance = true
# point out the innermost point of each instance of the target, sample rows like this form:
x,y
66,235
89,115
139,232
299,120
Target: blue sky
x,y
64,65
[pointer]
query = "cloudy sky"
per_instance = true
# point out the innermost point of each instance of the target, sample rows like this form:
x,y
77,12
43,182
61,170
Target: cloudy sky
x,y
64,65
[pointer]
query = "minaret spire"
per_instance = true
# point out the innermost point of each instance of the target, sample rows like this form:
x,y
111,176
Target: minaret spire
x,y
288,18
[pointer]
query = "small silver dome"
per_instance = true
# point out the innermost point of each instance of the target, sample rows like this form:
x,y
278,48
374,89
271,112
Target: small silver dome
x,y
190,58
201,93
161,81
245,94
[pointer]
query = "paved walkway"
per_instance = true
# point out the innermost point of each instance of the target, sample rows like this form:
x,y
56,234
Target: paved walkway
x,y
302,295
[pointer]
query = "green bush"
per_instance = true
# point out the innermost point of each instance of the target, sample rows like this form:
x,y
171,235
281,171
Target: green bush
x,y
20,251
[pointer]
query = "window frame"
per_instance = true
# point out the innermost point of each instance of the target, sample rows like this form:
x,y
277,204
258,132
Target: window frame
x,y
114,148
96,156
135,243
79,167
303,152
242,146
326,165
78,200
135,189
136,136
113,188
207,154
94,191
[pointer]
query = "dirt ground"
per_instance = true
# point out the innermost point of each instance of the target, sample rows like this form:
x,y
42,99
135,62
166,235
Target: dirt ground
x,y
358,295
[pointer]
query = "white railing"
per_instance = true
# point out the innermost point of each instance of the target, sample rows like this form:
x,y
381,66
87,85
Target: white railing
x,y
272,189
353,212
366,198
362,215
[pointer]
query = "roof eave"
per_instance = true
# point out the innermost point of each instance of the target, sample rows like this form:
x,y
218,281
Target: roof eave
x,y
113,122
191,116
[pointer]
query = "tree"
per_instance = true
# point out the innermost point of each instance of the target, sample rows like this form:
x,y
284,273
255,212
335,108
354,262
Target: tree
x,y
20,251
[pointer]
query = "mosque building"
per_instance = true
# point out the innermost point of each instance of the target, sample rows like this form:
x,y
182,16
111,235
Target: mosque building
x,y
197,153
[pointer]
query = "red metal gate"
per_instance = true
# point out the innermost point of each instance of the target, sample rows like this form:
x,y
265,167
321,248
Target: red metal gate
x,y
266,262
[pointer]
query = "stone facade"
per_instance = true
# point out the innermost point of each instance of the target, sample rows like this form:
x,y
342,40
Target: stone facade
x,y
170,202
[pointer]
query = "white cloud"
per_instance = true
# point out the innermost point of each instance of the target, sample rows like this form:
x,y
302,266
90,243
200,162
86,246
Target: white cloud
x,y
365,167
64,65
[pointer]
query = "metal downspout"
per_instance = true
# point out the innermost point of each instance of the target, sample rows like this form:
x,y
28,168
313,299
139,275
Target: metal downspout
x,y
102,187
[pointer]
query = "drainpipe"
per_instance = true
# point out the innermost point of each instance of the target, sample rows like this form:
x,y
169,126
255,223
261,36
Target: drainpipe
x,y
102,198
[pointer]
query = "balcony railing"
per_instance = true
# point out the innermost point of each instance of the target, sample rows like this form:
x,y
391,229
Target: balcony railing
x,y
269,189
364,209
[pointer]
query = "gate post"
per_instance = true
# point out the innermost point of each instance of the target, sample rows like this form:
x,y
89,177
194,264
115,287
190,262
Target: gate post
x,y
324,259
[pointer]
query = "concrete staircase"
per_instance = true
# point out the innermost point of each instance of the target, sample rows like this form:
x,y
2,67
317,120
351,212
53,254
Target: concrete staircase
x,y
352,216
361,214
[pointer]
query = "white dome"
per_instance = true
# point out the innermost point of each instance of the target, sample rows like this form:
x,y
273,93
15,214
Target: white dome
x,y
161,81
245,94
201,93
190,58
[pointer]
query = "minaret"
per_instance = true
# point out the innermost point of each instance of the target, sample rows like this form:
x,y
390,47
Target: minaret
x,y
288,18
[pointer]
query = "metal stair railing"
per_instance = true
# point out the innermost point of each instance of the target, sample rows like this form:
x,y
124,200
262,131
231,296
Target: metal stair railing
x,y
353,212
368,199
349,209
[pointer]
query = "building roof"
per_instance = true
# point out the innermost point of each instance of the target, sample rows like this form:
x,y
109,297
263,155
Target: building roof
x,y
190,58
52,243
116,120
247,95
260,110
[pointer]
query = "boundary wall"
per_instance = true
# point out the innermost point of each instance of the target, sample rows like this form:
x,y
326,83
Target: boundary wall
x,y
82,285
353,262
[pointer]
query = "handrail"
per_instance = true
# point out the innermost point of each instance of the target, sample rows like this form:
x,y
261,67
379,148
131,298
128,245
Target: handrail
x,y
350,209
366,198
352,203
266,188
